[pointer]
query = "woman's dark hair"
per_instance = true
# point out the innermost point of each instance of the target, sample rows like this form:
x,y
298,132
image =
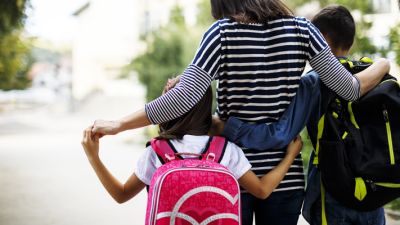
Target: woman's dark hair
x,y
197,121
336,23
245,11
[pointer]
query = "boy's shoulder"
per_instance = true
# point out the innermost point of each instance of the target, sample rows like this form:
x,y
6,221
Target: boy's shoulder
x,y
311,78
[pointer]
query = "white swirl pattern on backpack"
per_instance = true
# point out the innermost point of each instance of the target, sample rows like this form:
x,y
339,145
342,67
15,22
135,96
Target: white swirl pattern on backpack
x,y
178,205
205,222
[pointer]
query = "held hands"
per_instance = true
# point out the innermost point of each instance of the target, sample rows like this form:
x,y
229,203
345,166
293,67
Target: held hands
x,y
105,127
294,148
217,127
90,145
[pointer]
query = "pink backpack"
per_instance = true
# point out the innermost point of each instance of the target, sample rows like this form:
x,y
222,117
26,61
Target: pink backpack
x,y
197,191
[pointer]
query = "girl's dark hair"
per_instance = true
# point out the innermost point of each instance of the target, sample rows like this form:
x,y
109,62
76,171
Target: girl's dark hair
x,y
336,23
197,121
244,11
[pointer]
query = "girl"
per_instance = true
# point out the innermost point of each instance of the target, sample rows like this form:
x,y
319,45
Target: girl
x,y
257,50
187,133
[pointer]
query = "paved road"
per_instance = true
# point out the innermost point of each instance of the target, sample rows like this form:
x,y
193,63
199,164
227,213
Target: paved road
x,y
45,178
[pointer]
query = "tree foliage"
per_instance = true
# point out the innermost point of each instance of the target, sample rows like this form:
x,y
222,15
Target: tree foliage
x,y
394,40
15,61
15,55
12,15
169,51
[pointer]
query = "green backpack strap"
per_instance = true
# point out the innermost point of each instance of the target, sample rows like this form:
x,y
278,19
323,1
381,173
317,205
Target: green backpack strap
x,y
324,222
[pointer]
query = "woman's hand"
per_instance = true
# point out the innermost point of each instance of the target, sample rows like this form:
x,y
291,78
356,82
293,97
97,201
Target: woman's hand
x,y
217,127
294,148
105,127
90,145
112,127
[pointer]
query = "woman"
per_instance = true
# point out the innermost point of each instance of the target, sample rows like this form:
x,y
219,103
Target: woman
x,y
257,50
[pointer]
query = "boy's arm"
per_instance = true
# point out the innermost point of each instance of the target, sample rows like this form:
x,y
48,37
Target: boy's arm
x,y
276,135
120,192
264,186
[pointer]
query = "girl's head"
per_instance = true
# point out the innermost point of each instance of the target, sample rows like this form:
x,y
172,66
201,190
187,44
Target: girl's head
x,y
195,122
246,11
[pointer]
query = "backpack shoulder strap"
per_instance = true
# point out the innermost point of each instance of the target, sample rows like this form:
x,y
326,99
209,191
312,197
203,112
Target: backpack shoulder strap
x,y
164,150
215,149
326,96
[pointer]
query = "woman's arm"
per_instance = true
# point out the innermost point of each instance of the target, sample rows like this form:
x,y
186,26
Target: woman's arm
x,y
194,82
112,127
372,76
264,186
120,192
335,76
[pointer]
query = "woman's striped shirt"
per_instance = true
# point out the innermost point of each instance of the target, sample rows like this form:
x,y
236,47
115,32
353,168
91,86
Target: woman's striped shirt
x,y
258,69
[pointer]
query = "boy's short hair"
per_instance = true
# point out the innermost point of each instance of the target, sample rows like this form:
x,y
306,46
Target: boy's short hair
x,y
336,23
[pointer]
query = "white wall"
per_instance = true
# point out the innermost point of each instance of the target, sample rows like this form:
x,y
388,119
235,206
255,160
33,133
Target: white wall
x,y
109,37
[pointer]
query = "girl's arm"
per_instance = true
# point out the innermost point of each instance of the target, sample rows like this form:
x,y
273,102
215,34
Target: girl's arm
x,y
120,192
264,186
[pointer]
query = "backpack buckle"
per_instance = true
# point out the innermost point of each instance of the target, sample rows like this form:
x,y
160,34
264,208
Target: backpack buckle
x,y
170,157
210,157
385,115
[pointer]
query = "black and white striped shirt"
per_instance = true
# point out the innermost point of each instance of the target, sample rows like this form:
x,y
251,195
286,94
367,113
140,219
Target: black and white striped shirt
x,y
258,69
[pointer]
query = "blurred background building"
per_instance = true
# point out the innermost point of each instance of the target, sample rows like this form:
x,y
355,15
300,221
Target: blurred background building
x,y
109,37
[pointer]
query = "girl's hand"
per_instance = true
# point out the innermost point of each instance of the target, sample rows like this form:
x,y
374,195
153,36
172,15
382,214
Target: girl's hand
x,y
294,148
91,146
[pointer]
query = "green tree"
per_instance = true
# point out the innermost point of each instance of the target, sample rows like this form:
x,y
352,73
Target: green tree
x,y
15,55
164,56
394,40
204,18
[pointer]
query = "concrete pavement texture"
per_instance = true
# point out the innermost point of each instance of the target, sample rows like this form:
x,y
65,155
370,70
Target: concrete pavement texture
x,y
45,177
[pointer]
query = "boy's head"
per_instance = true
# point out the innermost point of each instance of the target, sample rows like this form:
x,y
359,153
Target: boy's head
x,y
337,25
197,121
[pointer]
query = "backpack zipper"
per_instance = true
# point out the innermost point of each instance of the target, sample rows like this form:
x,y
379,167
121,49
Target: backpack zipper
x,y
371,183
388,185
389,134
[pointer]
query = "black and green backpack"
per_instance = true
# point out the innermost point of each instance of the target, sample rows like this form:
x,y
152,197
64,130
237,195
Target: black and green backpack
x,y
358,145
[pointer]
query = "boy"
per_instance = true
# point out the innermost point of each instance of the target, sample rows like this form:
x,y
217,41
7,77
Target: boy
x,y
337,26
